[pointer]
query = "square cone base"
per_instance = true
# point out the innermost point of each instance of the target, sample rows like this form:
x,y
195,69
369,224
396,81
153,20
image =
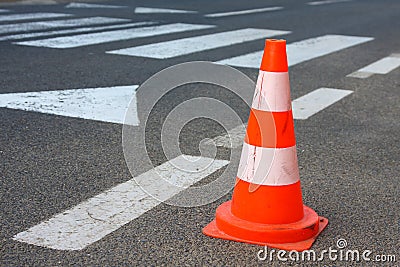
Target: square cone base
x,y
213,231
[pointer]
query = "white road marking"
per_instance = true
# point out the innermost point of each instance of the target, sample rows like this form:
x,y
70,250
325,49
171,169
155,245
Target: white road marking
x,y
108,104
69,31
243,12
111,36
234,138
195,44
317,3
4,10
303,108
29,16
86,5
311,103
382,66
45,25
150,10
99,216
301,51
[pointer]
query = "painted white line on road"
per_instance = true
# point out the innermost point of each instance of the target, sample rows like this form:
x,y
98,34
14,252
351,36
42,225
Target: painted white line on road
x,y
99,216
69,31
301,51
86,5
382,66
195,44
111,36
45,25
243,12
317,3
108,104
150,10
29,16
4,10
303,108
311,103
234,138
320,46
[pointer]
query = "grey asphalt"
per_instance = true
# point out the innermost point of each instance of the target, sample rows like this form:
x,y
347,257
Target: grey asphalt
x,y
348,153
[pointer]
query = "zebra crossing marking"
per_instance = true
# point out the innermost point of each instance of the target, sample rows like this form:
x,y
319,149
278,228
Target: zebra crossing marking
x,y
198,43
101,215
46,25
303,108
4,10
107,104
150,10
301,51
242,12
32,16
111,36
78,30
325,2
382,66
315,101
86,5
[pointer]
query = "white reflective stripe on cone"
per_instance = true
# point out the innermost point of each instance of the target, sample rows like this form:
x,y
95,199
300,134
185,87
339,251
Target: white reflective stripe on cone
x,y
268,166
272,92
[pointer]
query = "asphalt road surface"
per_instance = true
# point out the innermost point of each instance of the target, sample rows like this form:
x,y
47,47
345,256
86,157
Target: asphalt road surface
x,y
69,70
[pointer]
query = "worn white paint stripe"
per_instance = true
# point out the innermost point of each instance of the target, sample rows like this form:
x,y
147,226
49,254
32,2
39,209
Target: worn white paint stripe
x,y
382,66
243,12
78,30
86,5
110,36
233,139
268,166
317,3
195,44
4,10
320,46
29,16
108,104
311,103
303,108
99,216
45,25
150,10
301,51
272,92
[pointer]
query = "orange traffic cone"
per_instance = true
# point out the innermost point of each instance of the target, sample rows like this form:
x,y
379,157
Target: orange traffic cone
x,y
267,207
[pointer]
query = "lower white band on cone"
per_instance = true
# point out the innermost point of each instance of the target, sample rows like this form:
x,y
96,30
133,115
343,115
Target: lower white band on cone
x,y
272,92
268,166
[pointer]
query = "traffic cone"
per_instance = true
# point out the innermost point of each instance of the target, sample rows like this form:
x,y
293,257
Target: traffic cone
x,y
266,206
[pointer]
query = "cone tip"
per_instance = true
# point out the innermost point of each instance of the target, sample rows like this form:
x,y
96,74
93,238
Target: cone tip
x,y
274,57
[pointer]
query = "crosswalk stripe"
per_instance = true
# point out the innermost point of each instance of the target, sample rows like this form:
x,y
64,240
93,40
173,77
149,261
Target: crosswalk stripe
x,y
195,44
303,108
311,103
29,16
85,5
111,36
78,30
99,216
4,10
243,12
382,66
150,10
45,25
301,51
317,3
108,104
